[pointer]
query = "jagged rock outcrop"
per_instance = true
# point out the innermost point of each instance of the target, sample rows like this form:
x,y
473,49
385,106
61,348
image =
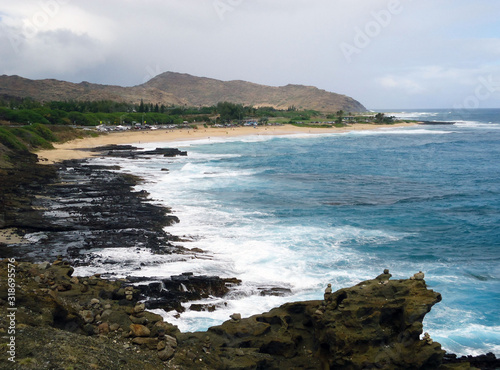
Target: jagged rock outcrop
x,y
375,324
67,321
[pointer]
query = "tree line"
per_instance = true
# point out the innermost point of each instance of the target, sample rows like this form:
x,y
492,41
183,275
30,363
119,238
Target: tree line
x,y
92,113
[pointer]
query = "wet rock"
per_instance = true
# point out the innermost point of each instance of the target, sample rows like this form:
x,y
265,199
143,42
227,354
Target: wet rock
x,y
96,208
128,151
274,291
169,294
202,307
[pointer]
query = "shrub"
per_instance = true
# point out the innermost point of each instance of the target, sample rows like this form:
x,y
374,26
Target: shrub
x,y
31,138
42,130
10,140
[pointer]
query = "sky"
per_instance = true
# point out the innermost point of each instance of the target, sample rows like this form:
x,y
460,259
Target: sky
x,y
404,54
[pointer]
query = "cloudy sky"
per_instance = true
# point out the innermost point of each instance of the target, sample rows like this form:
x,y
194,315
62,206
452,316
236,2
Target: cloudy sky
x,y
385,53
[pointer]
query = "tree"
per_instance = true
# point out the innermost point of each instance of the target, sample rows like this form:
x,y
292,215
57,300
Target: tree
x,y
379,118
340,116
78,118
229,111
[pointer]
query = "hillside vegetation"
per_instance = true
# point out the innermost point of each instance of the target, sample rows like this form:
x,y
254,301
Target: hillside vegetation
x,y
16,142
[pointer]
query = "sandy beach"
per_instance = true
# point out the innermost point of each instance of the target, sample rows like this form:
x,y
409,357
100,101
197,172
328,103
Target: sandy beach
x,y
78,149
10,236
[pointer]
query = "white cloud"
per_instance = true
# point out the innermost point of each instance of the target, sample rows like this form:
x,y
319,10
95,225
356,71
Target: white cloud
x,y
423,53
405,85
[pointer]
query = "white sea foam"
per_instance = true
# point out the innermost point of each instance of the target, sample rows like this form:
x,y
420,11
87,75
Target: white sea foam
x,y
206,141
401,131
463,340
36,237
477,125
412,115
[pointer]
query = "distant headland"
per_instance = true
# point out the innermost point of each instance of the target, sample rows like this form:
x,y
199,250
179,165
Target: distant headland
x,y
182,89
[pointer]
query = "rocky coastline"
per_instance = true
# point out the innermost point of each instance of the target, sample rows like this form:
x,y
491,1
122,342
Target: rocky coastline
x,y
66,322
70,208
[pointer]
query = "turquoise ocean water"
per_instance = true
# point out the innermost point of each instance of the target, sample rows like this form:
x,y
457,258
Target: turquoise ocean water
x,y
302,211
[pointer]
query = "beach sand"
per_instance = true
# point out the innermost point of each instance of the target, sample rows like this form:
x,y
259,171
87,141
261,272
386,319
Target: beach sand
x,y
10,236
78,149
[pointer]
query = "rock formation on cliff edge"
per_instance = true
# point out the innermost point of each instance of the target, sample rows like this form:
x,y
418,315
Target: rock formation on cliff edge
x,y
63,321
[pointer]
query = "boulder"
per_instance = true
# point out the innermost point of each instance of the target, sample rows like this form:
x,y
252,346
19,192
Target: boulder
x,y
138,330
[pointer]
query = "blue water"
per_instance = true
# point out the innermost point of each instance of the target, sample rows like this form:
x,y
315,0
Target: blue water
x,y
303,211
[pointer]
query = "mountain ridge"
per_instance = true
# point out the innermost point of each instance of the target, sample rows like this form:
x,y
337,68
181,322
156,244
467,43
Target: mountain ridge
x,y
172,88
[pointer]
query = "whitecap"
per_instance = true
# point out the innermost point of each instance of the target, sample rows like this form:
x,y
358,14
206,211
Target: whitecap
x,y
477,125
401,131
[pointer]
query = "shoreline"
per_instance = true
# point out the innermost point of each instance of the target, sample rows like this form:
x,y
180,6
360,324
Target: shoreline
x,y
79,148
153,136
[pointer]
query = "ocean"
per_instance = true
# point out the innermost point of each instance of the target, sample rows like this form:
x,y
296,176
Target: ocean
x,y
301,211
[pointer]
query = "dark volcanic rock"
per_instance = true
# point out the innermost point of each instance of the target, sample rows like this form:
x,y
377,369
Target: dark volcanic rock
x,y
82,207
129,151
483,362
168,294
111,147
17,186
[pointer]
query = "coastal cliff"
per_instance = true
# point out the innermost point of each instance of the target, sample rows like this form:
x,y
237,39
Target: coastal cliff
x,y
64,321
